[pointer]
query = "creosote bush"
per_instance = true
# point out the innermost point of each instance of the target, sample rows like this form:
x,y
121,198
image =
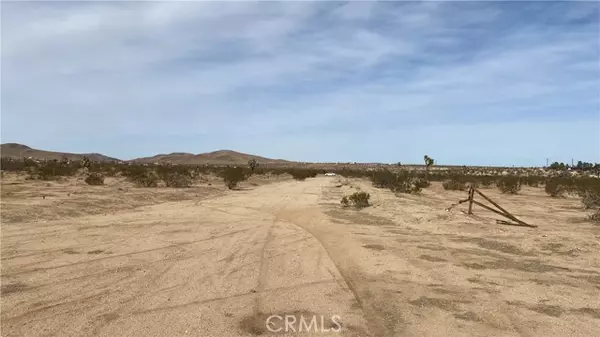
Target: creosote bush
x,y
94,179
590,199
232,176
555,187
596,217
177,180
141,176
509,184
175,176
357,199
302,174
401,182
454,185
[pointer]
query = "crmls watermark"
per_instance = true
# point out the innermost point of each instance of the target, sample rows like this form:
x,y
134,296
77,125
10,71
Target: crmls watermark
x,y
301,323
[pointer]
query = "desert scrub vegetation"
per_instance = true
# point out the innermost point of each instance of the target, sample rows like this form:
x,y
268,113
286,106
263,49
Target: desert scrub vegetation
x,y
400,182
175,176
454,185
556,187
509,184
94,179
302,174
141,176
232,176
356,199
51,170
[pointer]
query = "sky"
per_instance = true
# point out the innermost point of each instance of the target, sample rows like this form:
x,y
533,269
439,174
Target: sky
x,y
467,83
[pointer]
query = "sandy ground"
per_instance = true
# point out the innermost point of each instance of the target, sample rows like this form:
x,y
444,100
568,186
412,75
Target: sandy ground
x,y
119,261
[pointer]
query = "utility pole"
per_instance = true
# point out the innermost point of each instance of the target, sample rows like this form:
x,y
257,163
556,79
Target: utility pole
x,y
547,161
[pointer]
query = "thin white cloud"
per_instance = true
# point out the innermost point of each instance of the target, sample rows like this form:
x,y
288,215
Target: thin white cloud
x,y
110,70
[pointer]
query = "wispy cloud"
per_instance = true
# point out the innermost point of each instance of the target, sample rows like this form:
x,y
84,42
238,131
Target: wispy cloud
x,y
306,80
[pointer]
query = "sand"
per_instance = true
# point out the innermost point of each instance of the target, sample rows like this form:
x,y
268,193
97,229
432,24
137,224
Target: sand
x,y
116,260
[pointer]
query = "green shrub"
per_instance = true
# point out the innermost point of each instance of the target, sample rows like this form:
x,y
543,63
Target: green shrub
x,y
360,199
345,202
509,184
94,179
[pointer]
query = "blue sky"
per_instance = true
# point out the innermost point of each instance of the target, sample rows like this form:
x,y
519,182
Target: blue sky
x,y
481,83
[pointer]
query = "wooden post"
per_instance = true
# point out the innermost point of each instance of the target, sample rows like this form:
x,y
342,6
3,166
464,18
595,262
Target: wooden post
x,y
471,194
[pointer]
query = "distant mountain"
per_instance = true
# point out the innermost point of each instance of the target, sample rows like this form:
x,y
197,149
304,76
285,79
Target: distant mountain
x,y
15,150
222,157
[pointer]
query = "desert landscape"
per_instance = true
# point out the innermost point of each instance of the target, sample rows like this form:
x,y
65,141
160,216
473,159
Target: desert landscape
x,y
188,253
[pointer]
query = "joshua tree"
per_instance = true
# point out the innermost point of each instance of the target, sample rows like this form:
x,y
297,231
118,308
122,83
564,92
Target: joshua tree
x,y
253,163
428,163
85,162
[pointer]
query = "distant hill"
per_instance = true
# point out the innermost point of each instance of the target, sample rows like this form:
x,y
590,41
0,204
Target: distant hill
x,y
15,150
222,157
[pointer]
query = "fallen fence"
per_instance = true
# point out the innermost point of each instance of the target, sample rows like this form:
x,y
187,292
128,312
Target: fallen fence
x,y
500,211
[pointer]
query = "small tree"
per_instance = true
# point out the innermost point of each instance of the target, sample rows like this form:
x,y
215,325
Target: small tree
x,y
85,162
428,163
252,163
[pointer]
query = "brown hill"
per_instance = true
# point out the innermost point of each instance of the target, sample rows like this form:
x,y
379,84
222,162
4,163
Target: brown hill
x,y
222,157
15,150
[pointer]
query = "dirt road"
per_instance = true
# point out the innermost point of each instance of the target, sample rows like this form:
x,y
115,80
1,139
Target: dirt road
x,y
223,266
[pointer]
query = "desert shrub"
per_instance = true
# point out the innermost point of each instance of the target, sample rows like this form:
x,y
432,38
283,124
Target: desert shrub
x,y
486,181
94,179
51,170
421,183
360,199
148,179
555,187
141,176
145,179
590,199
232,176
349,173
383,179
454,185
302,174
595,217
12,165
509,184
177,180
175,175
401,182
533,181
345,202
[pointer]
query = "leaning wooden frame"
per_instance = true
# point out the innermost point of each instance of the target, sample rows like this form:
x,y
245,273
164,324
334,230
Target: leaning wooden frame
x,y
500,211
